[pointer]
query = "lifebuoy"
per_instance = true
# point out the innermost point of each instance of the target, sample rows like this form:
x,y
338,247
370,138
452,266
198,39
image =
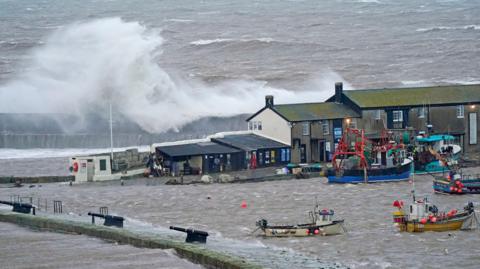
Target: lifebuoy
x,y
75,167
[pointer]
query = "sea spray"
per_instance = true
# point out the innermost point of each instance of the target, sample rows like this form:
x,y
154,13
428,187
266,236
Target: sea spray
x,y
86,65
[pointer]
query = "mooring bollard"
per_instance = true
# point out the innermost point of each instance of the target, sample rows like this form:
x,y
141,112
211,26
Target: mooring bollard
x,y
192,235
110,220
20,207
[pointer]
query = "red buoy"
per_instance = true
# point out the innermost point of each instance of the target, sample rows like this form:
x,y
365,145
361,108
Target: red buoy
x,y
423,221
244,204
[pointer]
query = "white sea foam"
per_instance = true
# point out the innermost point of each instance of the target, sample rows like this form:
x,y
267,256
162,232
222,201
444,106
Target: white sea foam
x,y
414,82
369,1
440,28
179,20
84,66
203,42
210,41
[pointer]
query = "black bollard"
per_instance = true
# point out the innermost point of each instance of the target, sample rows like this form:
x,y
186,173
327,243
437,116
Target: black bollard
x,y
192,235
20,207
110,220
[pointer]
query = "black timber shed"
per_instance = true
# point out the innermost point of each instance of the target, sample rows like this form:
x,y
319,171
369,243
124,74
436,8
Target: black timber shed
x,y
207,157
267,152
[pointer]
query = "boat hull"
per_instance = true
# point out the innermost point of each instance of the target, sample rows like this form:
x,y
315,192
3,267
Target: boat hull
x,y
431,168
304,230
469,187
401,173
442,226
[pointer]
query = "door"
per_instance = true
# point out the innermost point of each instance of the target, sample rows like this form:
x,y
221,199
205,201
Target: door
x,y
473,128
303,153
321,150
314,150
384,158
90,169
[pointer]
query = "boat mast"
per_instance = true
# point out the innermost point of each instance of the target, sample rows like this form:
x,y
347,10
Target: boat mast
x,y
111,132
413,182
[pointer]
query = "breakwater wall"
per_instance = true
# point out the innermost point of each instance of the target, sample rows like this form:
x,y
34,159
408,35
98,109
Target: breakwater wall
x,y
39,179
194,253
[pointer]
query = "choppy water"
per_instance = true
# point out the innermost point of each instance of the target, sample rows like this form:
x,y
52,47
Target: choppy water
x,y
22,248
220,58
371,242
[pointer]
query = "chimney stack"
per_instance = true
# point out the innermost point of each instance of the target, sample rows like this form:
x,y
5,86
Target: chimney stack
x,y
338,92
269,100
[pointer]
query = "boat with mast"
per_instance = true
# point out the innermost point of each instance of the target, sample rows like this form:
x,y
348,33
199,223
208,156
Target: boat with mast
x,y
322,223
422,215
435,153
360,160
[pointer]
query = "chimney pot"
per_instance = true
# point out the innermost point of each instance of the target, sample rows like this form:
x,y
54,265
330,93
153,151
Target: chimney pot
x,y
269,100
338,92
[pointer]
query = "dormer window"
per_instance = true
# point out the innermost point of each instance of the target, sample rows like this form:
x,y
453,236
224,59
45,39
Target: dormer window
x,y
306,128
397,116
460,111
421,112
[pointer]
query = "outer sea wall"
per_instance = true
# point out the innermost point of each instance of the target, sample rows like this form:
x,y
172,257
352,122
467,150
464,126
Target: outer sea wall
x,y
196,254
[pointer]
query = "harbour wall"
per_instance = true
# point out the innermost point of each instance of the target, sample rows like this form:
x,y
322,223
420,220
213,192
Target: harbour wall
x,y
194,253
39,179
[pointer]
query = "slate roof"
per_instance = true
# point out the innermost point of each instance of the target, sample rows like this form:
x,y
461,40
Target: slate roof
x,y
437,95
195,149
315,111
249,142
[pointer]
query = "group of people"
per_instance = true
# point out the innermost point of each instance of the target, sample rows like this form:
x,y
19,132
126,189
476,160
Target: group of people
x,y
155,166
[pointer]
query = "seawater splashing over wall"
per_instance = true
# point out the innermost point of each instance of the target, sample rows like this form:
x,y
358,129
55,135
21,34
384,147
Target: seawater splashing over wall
x,y
83,66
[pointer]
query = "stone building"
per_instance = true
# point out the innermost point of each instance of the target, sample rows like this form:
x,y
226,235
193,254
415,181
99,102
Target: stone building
x,y
313,129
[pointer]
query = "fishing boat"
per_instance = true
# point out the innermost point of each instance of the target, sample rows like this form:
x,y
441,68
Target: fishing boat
x,y
322,224
360,160
422,216
457,183
435,153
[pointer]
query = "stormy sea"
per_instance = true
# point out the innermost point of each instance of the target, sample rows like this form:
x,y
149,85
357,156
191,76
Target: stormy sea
x,y
173,70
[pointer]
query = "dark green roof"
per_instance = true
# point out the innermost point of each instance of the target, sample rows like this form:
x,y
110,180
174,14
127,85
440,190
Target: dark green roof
x,y
315,111
439,95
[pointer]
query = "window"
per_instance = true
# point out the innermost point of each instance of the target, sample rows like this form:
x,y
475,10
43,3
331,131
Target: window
x,y
254,125
352,124
306,128
397,116
421,112
103,165
460,111
378,114
325,127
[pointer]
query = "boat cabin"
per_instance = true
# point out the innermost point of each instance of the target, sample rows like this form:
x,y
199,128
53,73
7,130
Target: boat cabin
x,y
324,216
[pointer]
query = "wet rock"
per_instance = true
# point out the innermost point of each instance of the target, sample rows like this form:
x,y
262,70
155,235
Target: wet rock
x,y
206,179
225,178
173,181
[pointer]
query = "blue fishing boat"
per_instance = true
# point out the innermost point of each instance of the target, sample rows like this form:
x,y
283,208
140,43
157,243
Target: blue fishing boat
x,y
457,183
435,153
367,161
